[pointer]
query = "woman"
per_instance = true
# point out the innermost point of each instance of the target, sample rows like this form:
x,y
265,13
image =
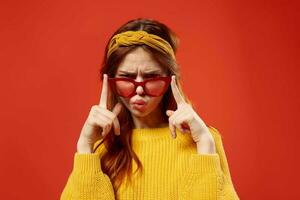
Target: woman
x,y
144,140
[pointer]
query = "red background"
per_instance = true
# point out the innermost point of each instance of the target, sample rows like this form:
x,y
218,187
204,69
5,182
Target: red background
x,y
240,64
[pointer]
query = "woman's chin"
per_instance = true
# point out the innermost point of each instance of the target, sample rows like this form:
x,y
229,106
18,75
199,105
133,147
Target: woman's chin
x,y
139,113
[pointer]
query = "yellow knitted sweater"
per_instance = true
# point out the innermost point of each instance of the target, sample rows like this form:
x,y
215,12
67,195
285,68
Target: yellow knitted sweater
x,y
172,169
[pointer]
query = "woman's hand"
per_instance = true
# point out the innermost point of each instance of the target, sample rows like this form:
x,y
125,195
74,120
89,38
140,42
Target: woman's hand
x,y
100,120
188,121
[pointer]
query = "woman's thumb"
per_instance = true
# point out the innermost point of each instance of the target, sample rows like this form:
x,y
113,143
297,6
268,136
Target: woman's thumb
x,y
117,108
169,112
116,124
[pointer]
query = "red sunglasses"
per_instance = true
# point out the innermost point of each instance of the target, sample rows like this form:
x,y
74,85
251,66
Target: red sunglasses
x,y
126,87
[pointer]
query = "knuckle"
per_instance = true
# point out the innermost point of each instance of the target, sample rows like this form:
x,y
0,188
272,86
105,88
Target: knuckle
x,y
94,107
110,113
107,126
92,122
114,116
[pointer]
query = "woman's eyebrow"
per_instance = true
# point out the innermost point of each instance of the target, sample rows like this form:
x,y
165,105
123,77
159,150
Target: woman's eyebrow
x,y
147,72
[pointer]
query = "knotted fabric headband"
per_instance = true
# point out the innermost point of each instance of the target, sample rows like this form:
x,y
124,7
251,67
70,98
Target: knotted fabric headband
x,y
129,38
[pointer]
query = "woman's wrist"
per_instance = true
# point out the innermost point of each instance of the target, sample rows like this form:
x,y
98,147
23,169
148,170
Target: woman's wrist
x,y
206,146
83,146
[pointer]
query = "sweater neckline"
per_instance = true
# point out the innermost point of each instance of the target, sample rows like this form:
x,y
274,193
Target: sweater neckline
x,y
141,134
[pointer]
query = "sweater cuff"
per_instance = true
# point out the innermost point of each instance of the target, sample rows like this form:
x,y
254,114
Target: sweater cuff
x,y
87,162
205,163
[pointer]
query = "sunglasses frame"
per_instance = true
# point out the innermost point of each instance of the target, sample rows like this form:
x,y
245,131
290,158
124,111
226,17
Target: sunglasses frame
x,y
166,79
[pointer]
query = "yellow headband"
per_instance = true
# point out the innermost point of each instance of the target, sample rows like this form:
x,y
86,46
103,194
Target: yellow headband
x,y
138,37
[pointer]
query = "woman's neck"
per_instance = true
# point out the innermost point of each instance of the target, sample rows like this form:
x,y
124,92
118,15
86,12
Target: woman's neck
x,y
153,120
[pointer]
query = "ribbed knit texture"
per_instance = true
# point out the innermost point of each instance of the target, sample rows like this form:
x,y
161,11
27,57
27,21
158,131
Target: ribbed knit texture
x,y
172,170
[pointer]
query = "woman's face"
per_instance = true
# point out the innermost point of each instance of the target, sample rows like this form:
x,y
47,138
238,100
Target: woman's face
x,y
139,65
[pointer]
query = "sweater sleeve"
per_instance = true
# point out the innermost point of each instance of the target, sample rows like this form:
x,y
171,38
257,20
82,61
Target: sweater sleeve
x,y
87,181
209,176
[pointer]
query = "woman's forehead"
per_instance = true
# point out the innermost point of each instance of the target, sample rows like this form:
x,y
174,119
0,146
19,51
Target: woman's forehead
x,y
140,69
139,60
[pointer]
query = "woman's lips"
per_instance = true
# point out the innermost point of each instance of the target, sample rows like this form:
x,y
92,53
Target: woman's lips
x,y
140,102
139,106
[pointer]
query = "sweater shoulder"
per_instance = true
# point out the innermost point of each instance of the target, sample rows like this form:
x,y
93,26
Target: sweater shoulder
x,y
215,132
99,147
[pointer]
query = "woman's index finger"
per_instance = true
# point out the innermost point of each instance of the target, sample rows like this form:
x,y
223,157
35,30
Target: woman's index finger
x,y
176,93
104,93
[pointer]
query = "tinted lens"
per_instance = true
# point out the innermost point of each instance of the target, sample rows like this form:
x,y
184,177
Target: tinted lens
x,y
152,88
155,87
124,88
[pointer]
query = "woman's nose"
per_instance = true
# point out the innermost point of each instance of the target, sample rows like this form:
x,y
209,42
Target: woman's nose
x,y
139,89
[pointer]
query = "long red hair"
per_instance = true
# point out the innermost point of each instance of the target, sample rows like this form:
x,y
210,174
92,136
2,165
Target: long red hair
x,y
116,162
